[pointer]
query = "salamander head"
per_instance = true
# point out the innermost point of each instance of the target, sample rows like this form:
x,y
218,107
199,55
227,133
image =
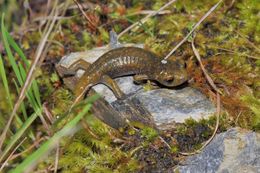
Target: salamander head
x,y
171,73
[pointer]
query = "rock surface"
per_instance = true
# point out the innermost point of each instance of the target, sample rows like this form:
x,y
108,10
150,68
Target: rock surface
x,y
165,105
234,151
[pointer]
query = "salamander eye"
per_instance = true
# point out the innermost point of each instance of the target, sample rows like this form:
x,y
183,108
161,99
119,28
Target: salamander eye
x,y
184,64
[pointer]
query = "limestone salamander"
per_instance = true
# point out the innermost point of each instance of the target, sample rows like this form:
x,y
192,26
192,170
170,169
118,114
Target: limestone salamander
x,y
124,61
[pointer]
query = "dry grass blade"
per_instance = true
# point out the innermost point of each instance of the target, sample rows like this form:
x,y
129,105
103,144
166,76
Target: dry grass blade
x,y
29,78
240,54
34,145
210,81
79,98
46,125
11,154
252,44
146,18
214,133
48,113
56,159
84,14
143,12
193,29
168,146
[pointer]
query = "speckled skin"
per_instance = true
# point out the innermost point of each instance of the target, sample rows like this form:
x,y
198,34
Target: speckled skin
x,y
131,61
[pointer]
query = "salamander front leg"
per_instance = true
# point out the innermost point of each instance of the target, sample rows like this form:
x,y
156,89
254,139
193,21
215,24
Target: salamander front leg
x,y
108,81
74,67
79,64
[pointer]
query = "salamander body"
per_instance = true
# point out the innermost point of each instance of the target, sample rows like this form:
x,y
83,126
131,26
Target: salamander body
x,y
124,61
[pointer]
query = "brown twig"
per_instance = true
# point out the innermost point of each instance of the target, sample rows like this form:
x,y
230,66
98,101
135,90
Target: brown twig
x,y
143,12
56,158
168,146
43,18
48,113
86,127
27,149
240,54
84,14
46,125
8,158
211,83
193,29
79,97
145,18
252,44
85,5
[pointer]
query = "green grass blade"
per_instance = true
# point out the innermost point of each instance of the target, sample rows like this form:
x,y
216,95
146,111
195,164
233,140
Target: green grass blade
x,y
20,74
17,49
22,107
142,25
18,134
29,93
7,90
9,53
36,92
25,116
5,82
50,144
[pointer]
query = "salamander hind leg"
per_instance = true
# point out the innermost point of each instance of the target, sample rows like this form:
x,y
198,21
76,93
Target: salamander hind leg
x,y
140,78
109,82
144,79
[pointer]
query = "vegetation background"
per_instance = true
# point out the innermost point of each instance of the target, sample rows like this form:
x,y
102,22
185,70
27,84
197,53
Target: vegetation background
x,y
40,32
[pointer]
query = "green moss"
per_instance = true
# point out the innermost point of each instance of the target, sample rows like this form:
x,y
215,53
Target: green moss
x,y
149,133
61,98
174,149
84,151
254,105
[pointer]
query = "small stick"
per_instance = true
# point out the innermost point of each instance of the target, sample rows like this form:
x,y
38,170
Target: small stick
x,y
168,146
145,18
27,149
83,12
48,112
143,12
57,158
193,29
88,129
3,165
210,81
244,37
240,54
79,98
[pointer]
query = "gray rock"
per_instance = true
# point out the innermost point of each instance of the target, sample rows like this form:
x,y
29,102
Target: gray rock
x,y
167,106
234,151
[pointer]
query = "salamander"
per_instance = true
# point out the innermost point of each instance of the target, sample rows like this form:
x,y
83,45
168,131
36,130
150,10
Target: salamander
x,y
124,61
